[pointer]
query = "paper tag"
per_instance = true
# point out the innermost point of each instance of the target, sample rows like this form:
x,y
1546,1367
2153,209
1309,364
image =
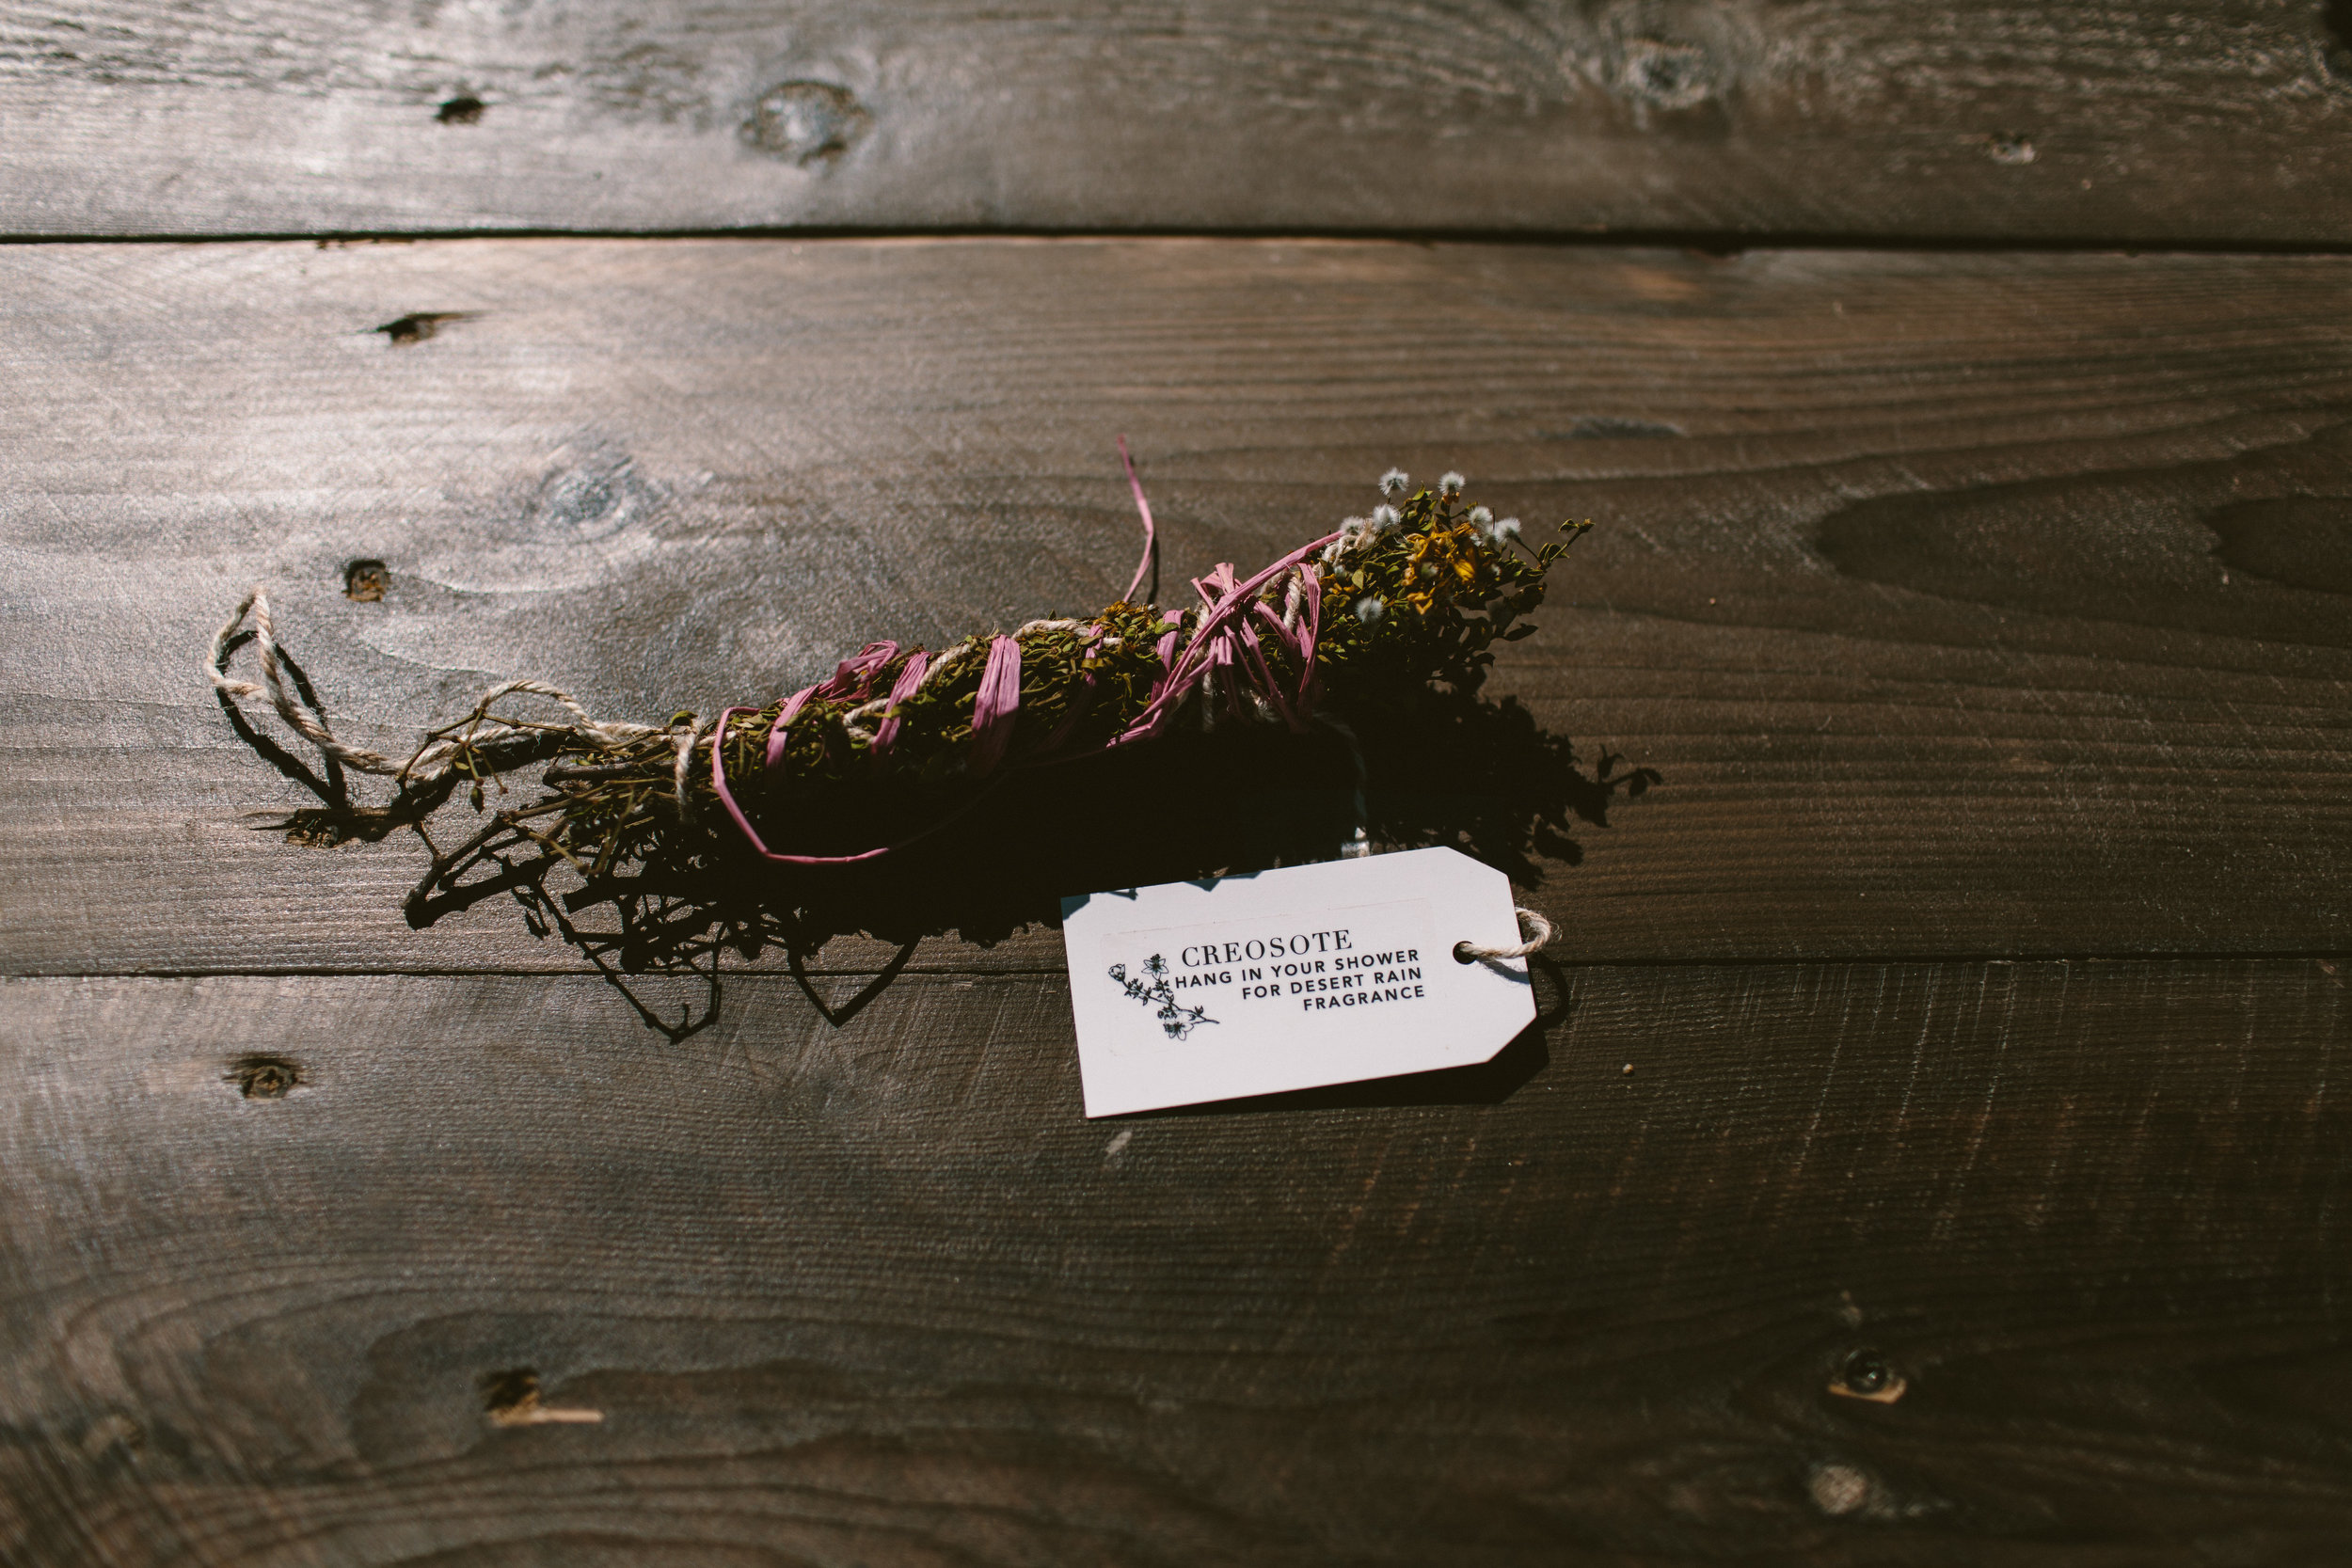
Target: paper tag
x,y
1288,980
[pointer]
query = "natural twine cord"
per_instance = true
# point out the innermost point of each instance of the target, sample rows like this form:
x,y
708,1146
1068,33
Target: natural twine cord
x,y
429,761
433,759
1536,930
442,751
1360,834
1533,926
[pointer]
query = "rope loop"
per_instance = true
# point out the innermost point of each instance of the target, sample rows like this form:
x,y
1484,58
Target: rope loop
x,y
1534,927
428,762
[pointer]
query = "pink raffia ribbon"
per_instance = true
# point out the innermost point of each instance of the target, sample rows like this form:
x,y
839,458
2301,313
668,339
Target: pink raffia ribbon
x,y
1229,639
779,731
996,705
759,846
910,681
1150,536
853,677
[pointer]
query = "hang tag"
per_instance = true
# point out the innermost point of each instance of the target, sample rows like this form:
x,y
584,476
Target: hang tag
x,y
1289,979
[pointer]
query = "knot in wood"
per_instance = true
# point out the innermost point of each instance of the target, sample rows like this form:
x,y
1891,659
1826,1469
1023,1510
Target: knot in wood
x,y
806,121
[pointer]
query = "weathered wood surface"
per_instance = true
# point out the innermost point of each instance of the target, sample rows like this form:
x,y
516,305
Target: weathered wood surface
x,y
879,1295
2206,119
1967,606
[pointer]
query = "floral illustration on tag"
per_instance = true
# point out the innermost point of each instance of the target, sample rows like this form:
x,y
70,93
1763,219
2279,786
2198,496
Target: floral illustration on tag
x,y
1157,993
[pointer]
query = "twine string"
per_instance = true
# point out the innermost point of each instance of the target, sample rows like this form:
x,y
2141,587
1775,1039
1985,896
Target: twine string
x,y
1216,654
430,761
1533,929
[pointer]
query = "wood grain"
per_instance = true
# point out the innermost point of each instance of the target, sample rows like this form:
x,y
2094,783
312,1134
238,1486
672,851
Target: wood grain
x,y
1967,606
878,1294
2213,120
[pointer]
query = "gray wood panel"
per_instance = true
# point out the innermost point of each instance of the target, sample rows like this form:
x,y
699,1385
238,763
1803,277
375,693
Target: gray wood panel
x,y
1967,605
878,1294
2207,120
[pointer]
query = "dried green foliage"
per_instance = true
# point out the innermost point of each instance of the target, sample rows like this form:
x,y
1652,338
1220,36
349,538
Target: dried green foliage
x,y
1416,594
1427,597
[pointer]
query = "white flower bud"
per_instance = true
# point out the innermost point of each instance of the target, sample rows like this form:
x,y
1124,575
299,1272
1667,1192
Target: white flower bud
x,y
1393,482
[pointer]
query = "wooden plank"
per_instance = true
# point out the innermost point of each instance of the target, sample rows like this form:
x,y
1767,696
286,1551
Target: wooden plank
x,y
2204,120
878,1294
1982,604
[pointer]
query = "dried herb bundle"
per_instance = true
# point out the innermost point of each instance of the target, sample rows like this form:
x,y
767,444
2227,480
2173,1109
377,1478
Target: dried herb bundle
x,y
898,740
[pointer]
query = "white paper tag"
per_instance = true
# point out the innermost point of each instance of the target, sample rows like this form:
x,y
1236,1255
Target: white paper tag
x,y
1288,980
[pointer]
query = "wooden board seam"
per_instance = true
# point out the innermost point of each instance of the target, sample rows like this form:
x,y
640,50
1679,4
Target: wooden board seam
x,y
1721,242
2316,955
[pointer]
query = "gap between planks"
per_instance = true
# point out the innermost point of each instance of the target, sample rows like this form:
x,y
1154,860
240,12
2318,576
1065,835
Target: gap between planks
x,y
1012,971
1709,241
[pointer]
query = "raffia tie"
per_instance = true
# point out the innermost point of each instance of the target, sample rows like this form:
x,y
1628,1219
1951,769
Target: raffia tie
x,y
1226,660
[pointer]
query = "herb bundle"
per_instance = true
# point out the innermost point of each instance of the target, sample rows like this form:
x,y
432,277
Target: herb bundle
x,y
898,740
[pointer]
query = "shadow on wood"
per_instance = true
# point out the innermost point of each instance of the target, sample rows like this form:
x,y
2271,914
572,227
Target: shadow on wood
x,y
1487,1083
1439,768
